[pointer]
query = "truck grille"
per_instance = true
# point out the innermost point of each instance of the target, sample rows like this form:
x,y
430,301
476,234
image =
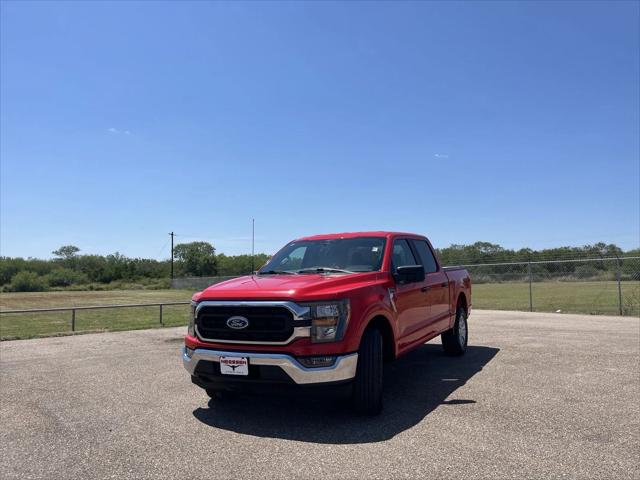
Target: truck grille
x,y
266,324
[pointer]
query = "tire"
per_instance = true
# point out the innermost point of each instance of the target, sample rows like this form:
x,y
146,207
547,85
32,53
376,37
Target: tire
x,y
454,340
367,386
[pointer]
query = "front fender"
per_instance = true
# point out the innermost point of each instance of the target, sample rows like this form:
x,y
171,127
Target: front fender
x,y
370,307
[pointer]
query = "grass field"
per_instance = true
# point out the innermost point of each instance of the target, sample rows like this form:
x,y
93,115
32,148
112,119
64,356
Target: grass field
x,y
595,298
50,323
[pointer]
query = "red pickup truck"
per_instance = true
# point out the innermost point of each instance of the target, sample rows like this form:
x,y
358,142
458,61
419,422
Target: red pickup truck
x,y
324,311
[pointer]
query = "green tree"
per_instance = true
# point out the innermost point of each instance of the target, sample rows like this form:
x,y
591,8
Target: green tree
x,y
9,267
26,281
239,264
64,277
197,259
66,252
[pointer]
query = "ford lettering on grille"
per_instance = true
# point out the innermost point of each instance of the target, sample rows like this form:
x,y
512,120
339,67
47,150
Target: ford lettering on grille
x,y
237,323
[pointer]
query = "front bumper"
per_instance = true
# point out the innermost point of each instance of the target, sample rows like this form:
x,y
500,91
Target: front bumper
x,y
343,369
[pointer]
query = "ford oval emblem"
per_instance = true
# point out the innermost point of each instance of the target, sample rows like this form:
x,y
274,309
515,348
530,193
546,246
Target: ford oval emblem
x,y
237,323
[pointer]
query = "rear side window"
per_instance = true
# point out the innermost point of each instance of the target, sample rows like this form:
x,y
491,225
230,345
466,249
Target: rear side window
x,y
426,256
402,254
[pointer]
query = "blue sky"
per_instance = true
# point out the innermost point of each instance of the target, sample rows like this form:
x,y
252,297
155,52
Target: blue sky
x,y
510,122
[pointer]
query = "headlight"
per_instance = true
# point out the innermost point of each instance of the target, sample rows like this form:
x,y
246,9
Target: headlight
x,y
328,320
191,329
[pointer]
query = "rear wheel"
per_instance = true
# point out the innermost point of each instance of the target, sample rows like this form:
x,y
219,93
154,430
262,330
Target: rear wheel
x,y
367,386
454,340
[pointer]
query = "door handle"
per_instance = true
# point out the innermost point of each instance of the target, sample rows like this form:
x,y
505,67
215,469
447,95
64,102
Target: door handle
x,y
443,284
424,289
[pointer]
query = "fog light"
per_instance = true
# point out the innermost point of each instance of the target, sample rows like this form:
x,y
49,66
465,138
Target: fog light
x,y
188,351
314,362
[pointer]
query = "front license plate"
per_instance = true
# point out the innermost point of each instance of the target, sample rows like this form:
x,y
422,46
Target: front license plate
x,y
234,365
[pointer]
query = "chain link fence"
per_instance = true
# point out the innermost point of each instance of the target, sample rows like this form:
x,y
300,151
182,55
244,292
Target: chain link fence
x,y
596,286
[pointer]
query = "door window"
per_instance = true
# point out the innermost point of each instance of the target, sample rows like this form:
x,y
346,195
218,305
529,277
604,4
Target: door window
x,y
426,256
402,254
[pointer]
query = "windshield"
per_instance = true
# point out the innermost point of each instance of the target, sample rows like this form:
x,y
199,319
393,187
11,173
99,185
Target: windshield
x,y
340,255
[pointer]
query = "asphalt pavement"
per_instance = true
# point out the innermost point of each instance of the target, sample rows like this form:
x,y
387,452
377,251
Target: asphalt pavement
x,y
536,396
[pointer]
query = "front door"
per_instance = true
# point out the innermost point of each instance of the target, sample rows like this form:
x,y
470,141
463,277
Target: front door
x,y
410,298
437,285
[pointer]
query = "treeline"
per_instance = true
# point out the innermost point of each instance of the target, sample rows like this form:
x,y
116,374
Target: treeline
x,y
489,262
69,269
485,252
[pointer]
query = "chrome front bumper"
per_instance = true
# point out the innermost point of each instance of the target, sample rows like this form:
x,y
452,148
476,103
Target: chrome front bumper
x,y
343,369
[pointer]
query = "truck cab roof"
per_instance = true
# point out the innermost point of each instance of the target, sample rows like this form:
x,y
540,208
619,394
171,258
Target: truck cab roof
x,y
379,233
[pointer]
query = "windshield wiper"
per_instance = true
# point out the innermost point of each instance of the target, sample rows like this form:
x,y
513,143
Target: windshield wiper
x,y
324,270
277,272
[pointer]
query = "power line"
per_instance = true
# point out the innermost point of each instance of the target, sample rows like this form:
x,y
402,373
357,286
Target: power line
x,y
162,248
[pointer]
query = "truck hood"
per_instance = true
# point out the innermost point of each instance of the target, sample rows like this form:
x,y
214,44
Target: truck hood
x,y
304,287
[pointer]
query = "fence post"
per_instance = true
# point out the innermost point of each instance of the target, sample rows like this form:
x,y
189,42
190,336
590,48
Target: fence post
x,y
73,319
161,321
530,287
619,275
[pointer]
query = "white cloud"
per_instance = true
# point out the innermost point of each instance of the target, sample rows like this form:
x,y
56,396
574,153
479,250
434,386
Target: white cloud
x,y
441,155
115,131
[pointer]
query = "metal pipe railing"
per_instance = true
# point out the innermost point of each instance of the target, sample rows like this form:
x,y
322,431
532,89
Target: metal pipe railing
x,y
73,310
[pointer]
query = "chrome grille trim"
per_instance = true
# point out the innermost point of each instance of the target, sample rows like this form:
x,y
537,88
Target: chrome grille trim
x,y
298,312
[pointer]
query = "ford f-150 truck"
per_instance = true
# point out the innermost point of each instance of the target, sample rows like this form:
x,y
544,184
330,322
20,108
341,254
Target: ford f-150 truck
x,y
324,311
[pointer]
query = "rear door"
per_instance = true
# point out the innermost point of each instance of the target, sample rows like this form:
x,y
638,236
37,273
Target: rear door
x,y
410,299
437,284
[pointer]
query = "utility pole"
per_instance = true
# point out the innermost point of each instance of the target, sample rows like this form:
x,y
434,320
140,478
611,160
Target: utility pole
x,y
172,234
253,238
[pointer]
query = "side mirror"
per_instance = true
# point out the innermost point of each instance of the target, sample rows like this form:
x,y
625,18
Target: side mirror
x,y
409,274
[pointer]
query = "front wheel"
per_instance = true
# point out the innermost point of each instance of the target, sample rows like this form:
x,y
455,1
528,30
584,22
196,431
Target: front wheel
x,y
454,340
367,386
